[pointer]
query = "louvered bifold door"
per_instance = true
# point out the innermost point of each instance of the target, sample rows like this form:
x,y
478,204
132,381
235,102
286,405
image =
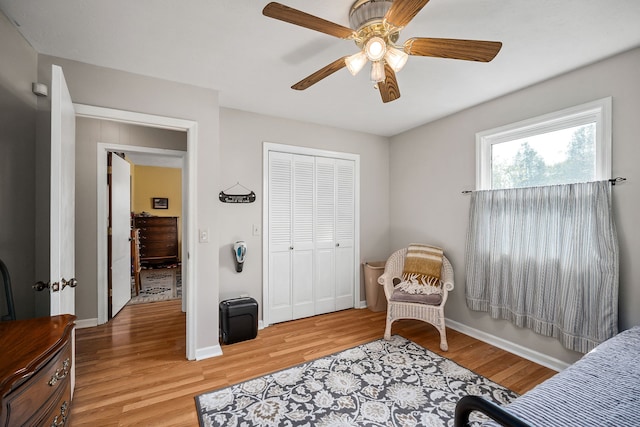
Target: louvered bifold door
x,y
302,268
280,236
325,277
311,235
345,234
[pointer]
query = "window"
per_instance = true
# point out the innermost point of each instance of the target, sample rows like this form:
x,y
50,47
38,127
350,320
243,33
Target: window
x,y
568,146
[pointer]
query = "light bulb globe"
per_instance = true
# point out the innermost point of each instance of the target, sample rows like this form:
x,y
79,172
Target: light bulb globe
x,y
375,48
377,72
396,58
355,62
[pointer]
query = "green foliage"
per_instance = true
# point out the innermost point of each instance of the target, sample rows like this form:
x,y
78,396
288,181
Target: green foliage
x,y
528,169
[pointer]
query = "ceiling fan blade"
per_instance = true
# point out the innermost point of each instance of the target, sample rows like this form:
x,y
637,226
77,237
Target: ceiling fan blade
x,y
389,90
320,74
402,12
470,50
303,19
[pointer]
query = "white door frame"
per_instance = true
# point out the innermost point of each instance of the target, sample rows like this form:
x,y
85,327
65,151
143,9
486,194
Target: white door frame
x,y
189,191
294,149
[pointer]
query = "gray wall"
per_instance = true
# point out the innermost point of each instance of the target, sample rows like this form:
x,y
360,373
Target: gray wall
x,y
89,132
242,138
432,164
17,173
110,88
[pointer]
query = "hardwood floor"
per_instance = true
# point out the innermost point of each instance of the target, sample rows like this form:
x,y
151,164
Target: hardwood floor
x,y
133,370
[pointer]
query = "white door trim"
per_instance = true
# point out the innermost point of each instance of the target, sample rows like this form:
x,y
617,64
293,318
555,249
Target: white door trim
x,y
293,149
189,198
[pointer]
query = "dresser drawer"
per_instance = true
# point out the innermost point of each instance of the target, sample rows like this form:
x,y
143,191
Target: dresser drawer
x,y
58,408
155,221
158,249
36,398
158,233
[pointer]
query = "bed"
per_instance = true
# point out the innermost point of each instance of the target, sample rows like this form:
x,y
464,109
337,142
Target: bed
x,y
601,389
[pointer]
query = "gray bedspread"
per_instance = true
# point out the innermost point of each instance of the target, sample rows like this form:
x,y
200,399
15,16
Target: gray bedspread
x,y
601,389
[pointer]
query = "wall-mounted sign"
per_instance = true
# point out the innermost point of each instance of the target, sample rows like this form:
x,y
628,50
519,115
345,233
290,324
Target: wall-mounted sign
x,y
237,198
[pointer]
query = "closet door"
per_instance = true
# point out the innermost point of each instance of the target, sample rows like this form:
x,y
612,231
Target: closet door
x,y
325,277
345,234
311,235
280,236
302,242
290,236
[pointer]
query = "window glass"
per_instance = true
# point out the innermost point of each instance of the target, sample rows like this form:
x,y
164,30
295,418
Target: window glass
x,y
559,157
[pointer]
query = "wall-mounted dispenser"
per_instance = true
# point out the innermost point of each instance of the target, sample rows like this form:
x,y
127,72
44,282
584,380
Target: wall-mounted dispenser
x,y
239,252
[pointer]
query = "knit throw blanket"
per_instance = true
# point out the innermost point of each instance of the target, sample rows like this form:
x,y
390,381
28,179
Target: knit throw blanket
x,y
421,273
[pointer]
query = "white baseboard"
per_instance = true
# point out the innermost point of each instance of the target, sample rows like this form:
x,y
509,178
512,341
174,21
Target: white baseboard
x,y
527,353
207,352
363,304
86,323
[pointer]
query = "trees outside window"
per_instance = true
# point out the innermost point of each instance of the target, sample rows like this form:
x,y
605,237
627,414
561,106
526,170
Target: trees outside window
x,y
560,157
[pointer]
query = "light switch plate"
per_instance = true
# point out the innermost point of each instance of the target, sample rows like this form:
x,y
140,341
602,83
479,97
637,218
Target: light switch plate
x,y
203,235
256,230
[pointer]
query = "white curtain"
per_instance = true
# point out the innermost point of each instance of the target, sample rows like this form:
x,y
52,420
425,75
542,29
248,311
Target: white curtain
x,y
546,258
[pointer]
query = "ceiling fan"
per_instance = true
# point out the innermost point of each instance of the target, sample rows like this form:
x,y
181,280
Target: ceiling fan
x,y
377,25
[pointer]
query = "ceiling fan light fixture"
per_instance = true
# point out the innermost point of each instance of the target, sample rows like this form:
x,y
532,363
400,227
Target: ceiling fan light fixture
x,y
377,72
396,58
375,48
356,62
375,27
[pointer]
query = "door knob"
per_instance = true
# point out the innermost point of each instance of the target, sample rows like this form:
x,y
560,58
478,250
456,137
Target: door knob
x,y
72,283
40,286
55,286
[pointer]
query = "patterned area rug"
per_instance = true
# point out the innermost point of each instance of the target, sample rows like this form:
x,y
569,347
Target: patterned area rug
x,y
156,293
382,383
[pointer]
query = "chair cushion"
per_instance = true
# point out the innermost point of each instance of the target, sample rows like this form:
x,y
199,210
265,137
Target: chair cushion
x,y
401,296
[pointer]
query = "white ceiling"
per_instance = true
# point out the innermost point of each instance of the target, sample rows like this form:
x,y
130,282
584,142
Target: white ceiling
x,y
252,60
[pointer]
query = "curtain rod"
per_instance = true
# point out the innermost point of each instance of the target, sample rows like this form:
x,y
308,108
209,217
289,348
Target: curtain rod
x,y
613,181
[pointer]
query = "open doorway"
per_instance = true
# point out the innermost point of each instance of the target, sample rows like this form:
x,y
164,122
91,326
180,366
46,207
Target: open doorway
x,y
189,158
156,228
160,256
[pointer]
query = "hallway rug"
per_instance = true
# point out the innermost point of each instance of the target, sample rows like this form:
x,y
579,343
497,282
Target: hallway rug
x,y
381,383
158,293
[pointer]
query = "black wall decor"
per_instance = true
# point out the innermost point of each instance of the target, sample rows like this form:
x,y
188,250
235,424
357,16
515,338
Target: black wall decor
x,y
237,198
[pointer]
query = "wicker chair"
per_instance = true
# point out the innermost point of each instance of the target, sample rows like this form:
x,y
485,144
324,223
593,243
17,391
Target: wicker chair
x,y
426,312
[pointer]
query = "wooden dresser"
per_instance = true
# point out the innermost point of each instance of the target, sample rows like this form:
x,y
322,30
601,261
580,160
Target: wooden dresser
x,y
158,239
35,371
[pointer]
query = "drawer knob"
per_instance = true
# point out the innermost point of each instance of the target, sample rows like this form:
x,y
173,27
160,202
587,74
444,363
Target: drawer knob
x,y
60,373
60,420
